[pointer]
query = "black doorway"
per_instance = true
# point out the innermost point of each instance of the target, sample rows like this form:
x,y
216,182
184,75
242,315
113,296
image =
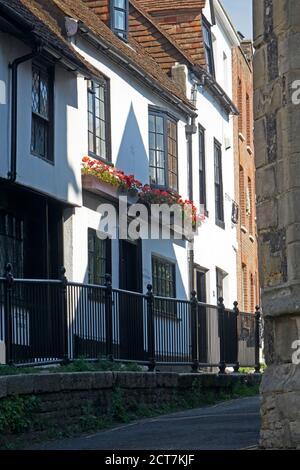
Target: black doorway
x,y
131,307
200,286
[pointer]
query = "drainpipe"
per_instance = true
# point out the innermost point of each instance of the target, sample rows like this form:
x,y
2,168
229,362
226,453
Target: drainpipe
x,y
190,130
12,174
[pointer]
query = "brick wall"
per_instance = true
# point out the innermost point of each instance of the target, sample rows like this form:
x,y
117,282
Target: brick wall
x,y
247,261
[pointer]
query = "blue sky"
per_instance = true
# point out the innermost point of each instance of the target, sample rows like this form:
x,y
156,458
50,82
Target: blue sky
x,y
240,12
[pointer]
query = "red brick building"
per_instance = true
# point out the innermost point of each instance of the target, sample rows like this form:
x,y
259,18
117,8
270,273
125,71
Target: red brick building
x,y
247,261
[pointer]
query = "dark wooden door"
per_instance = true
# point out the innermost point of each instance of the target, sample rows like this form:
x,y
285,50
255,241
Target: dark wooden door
x,y
131,307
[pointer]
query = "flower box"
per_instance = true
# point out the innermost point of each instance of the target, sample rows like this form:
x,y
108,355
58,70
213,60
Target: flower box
x,y
101,188
107,181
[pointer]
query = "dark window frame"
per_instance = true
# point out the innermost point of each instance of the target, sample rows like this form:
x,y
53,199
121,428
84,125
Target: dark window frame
x,y
209,51
46,69
105,83
122,34
167,117
202,168
12,237
219,191
220,276
163,307
108,259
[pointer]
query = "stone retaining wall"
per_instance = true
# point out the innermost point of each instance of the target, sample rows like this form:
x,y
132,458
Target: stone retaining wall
x,y
64,396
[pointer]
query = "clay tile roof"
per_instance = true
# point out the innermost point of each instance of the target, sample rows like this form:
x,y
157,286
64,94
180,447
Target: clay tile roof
x,y
162,5
135,54
151,36
46,30
181,21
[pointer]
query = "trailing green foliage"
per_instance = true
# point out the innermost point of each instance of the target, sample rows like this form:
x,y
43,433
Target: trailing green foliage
x,y
78,365
16,414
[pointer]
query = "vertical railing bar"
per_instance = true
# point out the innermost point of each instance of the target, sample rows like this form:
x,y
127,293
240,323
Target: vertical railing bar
x,y
221,321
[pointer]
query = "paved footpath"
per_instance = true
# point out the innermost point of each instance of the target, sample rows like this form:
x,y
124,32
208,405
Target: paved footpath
x,y
228,425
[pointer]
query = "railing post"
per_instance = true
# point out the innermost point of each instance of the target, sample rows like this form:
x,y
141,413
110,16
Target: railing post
x,y
108,317
221,315
236,312
150,328
64,316
257,339
8,287
194,331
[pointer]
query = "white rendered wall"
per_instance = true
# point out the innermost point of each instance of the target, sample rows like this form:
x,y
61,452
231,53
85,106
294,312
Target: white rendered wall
x,y
130,102
215,247
63,179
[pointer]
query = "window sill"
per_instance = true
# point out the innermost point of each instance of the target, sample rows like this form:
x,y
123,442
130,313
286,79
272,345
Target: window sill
x,y
46,160
163,188
100,159
220,224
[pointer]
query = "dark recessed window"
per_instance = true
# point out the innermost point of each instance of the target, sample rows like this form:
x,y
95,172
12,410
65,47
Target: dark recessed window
x,y
208,46
119,18
99,120
164,285
219,200
163,162
12,242
42,112
202,169
99,258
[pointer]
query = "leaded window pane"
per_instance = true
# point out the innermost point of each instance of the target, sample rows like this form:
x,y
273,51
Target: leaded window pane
x,y
41,122
208,47
219,203
97,119
119,20
120,4
119,14
164,285
159,125
162,151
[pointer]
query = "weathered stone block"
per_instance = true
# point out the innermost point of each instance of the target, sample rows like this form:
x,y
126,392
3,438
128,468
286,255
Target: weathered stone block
x,y
267,215
266,183
103,380
76,381
260,139
167,379
19,385
293,254
260,64
47,383
258,26
280,411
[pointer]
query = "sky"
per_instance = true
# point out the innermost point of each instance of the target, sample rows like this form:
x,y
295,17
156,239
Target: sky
x,y
240,12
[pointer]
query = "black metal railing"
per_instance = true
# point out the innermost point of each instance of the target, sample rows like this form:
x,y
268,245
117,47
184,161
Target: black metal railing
x,y
44,321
